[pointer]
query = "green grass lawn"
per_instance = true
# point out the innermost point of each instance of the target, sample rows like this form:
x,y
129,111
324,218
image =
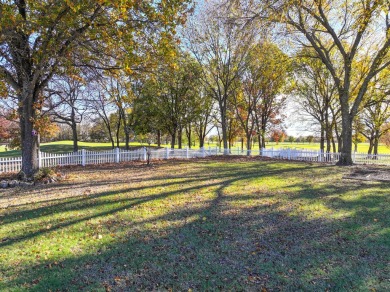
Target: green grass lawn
x,y
207,224
67,146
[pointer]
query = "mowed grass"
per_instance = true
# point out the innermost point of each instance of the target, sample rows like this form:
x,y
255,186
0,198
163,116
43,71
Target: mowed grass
x,y
61,147
207,224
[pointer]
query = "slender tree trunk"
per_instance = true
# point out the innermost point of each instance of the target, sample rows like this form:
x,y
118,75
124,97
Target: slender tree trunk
x,y
112,141
242,144
159,138
260,140
376,144
322,138
248,144
118,127
201,141
188,134
328,130
127,139
173,139
328,133
74,129
334,145
74,135
371,145
262,137
224,134
179,137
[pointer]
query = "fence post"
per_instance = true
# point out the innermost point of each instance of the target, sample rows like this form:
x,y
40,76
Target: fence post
x,y
145,154
167,153
83,158
187,153
39,159
117,155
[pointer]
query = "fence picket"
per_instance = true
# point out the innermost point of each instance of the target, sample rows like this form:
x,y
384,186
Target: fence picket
x,y
84,157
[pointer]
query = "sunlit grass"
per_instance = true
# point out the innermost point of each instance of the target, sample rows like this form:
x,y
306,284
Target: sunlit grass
x,y
200,225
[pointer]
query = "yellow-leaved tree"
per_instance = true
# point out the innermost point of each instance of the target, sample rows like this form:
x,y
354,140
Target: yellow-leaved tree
x,y
38,39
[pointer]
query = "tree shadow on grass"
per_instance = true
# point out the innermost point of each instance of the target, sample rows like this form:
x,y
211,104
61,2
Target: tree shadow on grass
x,y
83,200
229,242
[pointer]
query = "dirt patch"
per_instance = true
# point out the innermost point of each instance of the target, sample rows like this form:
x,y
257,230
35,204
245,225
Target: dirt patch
x,y
369,173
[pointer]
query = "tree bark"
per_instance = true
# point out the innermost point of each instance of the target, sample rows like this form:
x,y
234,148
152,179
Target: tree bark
x,y
29,136
376,144
188,134
173,139
248,144
371,146
159,138
224,132
346,137
127,140
262,137
74,135
179,137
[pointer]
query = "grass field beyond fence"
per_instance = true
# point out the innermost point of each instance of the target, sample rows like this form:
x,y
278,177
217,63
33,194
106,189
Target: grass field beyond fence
x,y
205,224
60,147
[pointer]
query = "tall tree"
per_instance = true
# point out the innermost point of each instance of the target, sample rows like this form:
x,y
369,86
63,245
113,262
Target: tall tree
x,y
376,112
316,93
340,33
220,44
37,38
265,78
67,103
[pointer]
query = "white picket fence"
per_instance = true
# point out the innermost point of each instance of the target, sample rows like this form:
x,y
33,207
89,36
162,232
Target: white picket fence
x,y
85,157
313,155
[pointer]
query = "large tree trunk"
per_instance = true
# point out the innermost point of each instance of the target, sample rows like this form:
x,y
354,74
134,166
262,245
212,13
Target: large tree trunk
x,y
29,136
346,136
